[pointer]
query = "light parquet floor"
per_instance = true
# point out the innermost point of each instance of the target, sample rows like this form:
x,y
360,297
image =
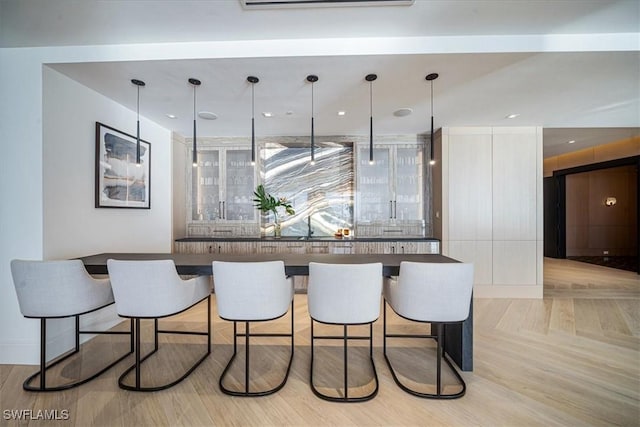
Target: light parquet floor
x,y
570,359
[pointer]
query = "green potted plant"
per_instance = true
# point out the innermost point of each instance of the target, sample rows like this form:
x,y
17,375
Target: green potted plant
x,y
266,202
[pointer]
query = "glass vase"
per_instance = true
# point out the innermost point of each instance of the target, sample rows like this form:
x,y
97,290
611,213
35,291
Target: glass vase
x,y
277,230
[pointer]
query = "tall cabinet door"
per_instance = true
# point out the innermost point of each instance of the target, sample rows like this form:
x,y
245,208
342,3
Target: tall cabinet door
x,y
408,183
239,186
206,187
374,200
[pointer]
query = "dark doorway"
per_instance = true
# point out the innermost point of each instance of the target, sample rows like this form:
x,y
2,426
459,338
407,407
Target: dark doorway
x,y
591,214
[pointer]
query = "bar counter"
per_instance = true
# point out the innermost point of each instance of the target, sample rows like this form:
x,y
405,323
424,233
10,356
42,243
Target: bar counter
x,y
458,338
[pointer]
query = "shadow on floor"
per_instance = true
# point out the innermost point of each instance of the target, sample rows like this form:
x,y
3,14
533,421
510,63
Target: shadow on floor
x,y
629,263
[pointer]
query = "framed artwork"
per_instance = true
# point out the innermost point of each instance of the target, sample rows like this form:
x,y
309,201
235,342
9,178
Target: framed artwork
x,y
120,183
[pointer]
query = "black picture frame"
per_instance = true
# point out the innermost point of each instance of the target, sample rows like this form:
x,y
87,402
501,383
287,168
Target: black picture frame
x,y
119,182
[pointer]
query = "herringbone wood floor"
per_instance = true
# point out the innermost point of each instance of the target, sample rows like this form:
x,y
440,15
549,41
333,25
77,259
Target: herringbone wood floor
x,y
571,359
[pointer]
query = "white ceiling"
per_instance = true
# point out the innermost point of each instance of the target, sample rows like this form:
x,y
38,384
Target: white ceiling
x,y
508,58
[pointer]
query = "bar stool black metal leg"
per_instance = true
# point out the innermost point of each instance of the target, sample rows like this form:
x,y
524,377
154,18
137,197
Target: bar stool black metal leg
x,y
43,352
246,360
139,359
345,339
137,353
439,359
245,391
437,334
346,383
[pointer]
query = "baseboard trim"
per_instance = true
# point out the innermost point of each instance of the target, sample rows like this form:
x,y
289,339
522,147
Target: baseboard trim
x,y
20,353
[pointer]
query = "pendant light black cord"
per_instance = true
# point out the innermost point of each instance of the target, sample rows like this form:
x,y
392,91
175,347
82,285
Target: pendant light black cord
x,y
370,78
253,80
195,146
138,83
370,122
195,83
138,130
312,79
313,142
430,78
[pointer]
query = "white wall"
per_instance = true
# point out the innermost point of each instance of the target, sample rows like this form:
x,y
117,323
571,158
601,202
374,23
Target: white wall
x,y
20,193
491,206
72,225
47,126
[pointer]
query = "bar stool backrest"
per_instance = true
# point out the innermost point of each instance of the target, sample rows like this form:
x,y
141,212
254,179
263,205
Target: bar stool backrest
x,y
344,293
433,292
151,288
57,288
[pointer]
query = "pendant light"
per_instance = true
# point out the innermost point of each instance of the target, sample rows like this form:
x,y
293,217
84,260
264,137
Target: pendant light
x,y
138,83
370,78
430,78
195,83
253,80
311,78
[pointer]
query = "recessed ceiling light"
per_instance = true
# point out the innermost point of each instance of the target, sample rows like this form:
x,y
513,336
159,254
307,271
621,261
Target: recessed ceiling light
x,y
342,113
571,142
512,116
401,112
267,114
207,115
171,116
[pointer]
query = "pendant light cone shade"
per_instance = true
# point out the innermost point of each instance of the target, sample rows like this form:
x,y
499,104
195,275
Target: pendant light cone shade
x,y
195,83
430,78
370,78
138,83
253,80
312,79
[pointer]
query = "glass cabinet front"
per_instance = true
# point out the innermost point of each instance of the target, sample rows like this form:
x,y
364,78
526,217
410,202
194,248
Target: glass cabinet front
x,y
374,200
222,185
391,187
239,187
408,184
205,179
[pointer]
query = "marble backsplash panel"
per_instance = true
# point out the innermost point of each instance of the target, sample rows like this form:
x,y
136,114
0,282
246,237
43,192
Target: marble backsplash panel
x,y
321,193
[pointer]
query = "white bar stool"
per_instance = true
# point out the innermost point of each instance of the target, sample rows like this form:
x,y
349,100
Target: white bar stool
x,y
252,292
55,290
344,294
154,290
435,293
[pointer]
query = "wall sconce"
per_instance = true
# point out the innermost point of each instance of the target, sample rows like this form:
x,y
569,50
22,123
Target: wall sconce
x,y
610,201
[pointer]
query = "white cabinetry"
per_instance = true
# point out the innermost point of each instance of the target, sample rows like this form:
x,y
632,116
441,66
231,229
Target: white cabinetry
x,y
220,191
491,206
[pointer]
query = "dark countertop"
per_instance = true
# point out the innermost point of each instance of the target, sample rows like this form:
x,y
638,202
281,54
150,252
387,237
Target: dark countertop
x,y
285,239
